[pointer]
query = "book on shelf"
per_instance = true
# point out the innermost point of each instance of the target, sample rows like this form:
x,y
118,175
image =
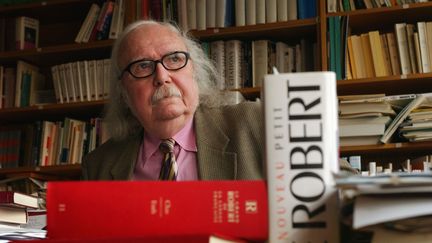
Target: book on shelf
x,y
250,6
210,13
200,9
117,21
88,21
363,126
26,33
233,64
17,199
233,208
301,143
191,13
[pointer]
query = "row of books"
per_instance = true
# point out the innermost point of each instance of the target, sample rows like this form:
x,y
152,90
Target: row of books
x,y
245,63
46,143
407,50
19,33
205,14
23,85
351,5
81,81
375,119
102,22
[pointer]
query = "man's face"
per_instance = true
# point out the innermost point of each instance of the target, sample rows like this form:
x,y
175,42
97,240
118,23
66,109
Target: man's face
x,y
161,112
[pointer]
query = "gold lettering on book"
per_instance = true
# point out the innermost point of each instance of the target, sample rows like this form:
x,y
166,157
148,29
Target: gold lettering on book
x,y
160,207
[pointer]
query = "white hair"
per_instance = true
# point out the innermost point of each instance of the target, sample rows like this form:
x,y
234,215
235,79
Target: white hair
x,y
121,121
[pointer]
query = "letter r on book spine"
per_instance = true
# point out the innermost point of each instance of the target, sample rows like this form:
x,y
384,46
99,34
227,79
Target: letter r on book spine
x,y
300,114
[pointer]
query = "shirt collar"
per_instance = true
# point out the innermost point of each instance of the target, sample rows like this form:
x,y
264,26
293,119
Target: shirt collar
x,y
185,138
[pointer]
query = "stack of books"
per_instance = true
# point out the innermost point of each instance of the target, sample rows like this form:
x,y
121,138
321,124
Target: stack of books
x,y
14,207
366,119
393,207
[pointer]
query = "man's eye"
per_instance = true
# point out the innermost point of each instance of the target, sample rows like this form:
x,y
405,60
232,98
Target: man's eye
x,y
144,65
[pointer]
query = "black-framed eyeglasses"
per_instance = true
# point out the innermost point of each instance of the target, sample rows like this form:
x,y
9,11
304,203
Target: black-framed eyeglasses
x,y
144,68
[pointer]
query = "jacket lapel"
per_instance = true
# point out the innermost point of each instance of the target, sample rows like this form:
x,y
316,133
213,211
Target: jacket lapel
x,y
124,164
214,162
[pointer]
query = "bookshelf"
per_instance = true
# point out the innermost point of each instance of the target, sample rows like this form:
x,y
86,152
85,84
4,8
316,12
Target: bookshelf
x,y
60,21
384,20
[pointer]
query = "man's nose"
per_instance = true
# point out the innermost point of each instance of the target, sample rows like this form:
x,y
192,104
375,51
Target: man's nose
x,y
161,75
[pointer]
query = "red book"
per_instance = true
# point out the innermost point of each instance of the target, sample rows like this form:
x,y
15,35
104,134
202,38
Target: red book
x,y
128,209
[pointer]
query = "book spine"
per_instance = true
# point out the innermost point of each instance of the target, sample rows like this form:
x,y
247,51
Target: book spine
x,y
300,112
234,208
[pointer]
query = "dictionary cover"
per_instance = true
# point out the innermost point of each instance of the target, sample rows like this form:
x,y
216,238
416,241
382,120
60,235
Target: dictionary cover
x,y
300,114
112,209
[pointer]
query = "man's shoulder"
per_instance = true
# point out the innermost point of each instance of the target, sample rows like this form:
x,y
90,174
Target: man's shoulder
x,y
240,108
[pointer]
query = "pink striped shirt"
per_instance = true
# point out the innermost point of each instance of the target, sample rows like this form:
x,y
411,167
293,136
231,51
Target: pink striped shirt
x,y
150,158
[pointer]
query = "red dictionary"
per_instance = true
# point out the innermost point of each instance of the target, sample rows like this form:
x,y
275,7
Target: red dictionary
x,y
110,209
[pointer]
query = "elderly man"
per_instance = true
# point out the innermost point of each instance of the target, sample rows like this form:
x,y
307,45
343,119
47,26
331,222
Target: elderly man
x,y
164,96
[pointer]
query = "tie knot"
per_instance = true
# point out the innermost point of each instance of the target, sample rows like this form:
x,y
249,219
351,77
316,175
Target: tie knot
x,y
167,146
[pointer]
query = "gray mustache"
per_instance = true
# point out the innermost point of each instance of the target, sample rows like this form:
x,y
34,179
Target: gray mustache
x,y
165,92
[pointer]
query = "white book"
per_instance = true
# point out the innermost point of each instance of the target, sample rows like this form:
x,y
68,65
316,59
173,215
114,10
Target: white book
x,y
240,12
233,64
94,9
201,21
424,50
301,143
282,10
70,79
260,9
93,79
83,70
402,44
429,42
292,9
220,13
331,6
182,14
77,82
63,83
191,14
271,11
417,52
56,83
250,12
211,13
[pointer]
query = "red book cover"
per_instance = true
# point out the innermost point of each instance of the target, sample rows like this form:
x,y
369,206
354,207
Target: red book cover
x,y
108,209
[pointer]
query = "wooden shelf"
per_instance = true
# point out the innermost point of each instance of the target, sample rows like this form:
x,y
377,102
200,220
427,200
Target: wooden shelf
x,y
366,19
274,31
54,171
52,111
391,148
401,84
54,55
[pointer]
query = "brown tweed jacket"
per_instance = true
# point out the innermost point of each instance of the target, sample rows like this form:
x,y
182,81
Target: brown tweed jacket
x,y
230,142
